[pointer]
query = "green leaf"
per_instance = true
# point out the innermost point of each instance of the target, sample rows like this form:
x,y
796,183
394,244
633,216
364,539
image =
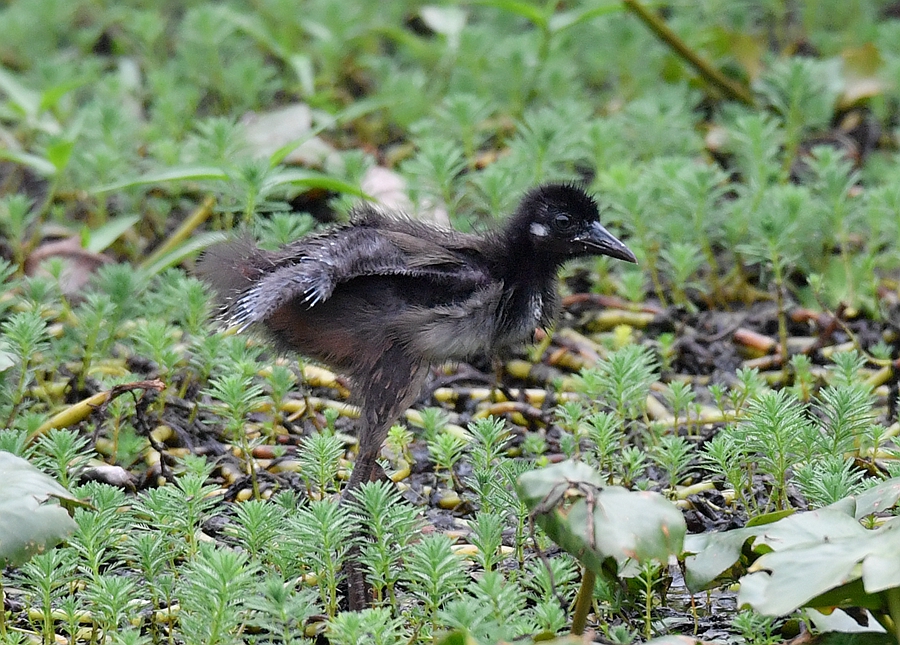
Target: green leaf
x,y
524,9
819,558
878,498
713,555
769,518
180,173
595,524
852,594
28,101
38,164
59,152
184,250
311,179
823,525
51,96
881,568
783,581
30,522
566,19
102,238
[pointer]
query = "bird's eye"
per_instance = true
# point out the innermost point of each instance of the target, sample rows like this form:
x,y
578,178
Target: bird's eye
x,y
563,223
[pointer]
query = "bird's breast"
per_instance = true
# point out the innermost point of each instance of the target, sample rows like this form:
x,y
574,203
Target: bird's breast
x,y
519,316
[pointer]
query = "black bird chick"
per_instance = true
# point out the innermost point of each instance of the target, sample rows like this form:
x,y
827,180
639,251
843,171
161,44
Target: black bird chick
x,y
384,297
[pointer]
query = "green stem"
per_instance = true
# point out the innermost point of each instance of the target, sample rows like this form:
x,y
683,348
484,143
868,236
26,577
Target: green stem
x,y
184,231
893,602
782,317
2,613
648,607
710,74
583,602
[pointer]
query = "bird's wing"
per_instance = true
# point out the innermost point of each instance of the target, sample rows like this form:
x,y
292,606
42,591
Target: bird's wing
x,y
312,268
454,331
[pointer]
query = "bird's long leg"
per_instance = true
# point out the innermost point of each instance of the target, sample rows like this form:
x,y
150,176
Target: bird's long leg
x,y
498,387
386,390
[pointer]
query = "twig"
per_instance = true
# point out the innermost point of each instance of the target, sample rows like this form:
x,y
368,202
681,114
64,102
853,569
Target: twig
x,y
731,88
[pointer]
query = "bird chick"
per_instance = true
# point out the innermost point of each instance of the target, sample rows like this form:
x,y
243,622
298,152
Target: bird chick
x,y
384,297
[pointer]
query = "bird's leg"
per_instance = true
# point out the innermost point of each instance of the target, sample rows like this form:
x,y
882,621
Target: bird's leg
x,y
365,464
389,388
498,387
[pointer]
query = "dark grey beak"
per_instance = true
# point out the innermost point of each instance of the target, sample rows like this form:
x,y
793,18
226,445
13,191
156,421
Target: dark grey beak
x,y
599,241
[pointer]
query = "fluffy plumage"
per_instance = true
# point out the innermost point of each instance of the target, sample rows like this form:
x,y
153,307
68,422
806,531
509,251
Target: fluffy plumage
x,y
383,297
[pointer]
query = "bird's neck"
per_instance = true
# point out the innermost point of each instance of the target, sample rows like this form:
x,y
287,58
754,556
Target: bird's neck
x,y
520,265
529,283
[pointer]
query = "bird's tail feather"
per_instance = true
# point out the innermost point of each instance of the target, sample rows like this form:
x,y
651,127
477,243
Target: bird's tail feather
x,y
232,267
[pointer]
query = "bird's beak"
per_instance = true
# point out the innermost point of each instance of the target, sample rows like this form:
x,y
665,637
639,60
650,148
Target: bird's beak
x,y
599,241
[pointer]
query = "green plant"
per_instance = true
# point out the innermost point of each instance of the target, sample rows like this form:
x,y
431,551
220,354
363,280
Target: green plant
x,y
64,452
154,556
129,130
446,450
505,605
487,536
802,92
391,526
726,456
756,629
489,439
434,574
433,421
623,380
109,596
213,595
256,525
281,609
828,480
24,338
376,626
281,380
680,396
94,539
771,242
850,562
239,395
94,316
45,579
672,454
327,530
180,509
592,523
606,435
319,456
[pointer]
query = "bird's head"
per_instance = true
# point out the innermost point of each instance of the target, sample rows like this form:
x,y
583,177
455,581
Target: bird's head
x,y
562,221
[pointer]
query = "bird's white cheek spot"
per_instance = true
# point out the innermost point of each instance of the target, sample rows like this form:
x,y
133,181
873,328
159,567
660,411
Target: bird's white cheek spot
x,y
538,230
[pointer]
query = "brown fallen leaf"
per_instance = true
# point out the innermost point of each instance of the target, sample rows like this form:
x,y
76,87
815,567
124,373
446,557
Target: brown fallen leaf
x,y
78,263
